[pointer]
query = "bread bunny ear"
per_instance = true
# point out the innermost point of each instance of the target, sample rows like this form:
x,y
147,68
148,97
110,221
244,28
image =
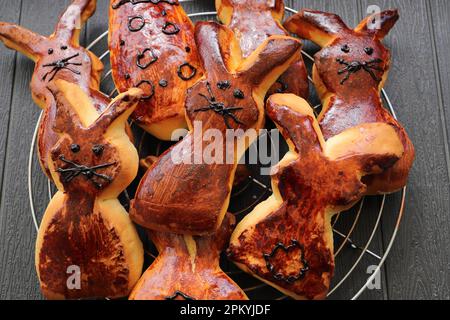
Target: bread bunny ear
x,y
72,20
225,8
302,137
119,109
379,24
211,39
273,52
317,26
70,101
22,40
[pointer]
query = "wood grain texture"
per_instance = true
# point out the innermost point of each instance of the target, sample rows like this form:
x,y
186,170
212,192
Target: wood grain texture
x,y
419,86
17,234
419,263
7,69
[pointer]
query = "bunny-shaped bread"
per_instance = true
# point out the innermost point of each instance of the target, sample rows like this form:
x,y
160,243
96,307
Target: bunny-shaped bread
x,y
152,47
58,56
253,21
85,228
191,196
349,73
287,241
188,268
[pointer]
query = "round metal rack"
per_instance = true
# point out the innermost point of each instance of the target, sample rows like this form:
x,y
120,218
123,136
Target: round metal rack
x,y
349,253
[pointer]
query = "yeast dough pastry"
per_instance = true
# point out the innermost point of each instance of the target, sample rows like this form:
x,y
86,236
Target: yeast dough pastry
x,y
349,73
152,47
58,56
87,246
253,21
287,241
187,268
186,191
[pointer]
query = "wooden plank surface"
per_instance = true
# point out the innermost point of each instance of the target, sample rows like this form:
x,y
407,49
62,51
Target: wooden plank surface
x,y
17,235
419,86
419,263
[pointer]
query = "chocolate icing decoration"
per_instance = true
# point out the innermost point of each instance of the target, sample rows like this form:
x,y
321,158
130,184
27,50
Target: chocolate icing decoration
x,y
279,276
191,68
75,170
141,55
238,94
356,66
152,86
62,64
223,85
170,28
98,149
179,294
134,2
368,50
139,26
75,148
345,48
219,108
50,51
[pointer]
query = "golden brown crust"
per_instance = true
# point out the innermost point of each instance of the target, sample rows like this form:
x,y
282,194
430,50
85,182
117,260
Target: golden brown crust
x,y
58,56
166,189
287,240
85,226
188,268
253,22
349,73
153,42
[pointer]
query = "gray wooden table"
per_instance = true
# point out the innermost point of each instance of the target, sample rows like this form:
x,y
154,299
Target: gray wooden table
x,y
418,266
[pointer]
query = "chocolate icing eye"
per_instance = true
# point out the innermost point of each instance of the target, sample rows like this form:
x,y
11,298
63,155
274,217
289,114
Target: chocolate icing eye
x,y
50,51
186,67
64,48
98,149
170,28
345,48
75,148
239,94
368,50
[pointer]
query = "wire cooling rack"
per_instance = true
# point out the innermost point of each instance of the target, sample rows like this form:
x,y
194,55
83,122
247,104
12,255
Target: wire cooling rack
x,y
354,231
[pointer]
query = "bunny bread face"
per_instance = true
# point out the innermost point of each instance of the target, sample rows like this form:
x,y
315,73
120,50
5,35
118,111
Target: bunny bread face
x,y
253,21
58,56
152,47
84,226
187,268
349,73
192,198
287,241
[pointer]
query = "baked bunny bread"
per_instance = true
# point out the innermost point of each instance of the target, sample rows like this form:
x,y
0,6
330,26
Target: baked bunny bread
x,y
287,241
58,56
187,190
349,73
188,268
152,47
253,21
85,229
